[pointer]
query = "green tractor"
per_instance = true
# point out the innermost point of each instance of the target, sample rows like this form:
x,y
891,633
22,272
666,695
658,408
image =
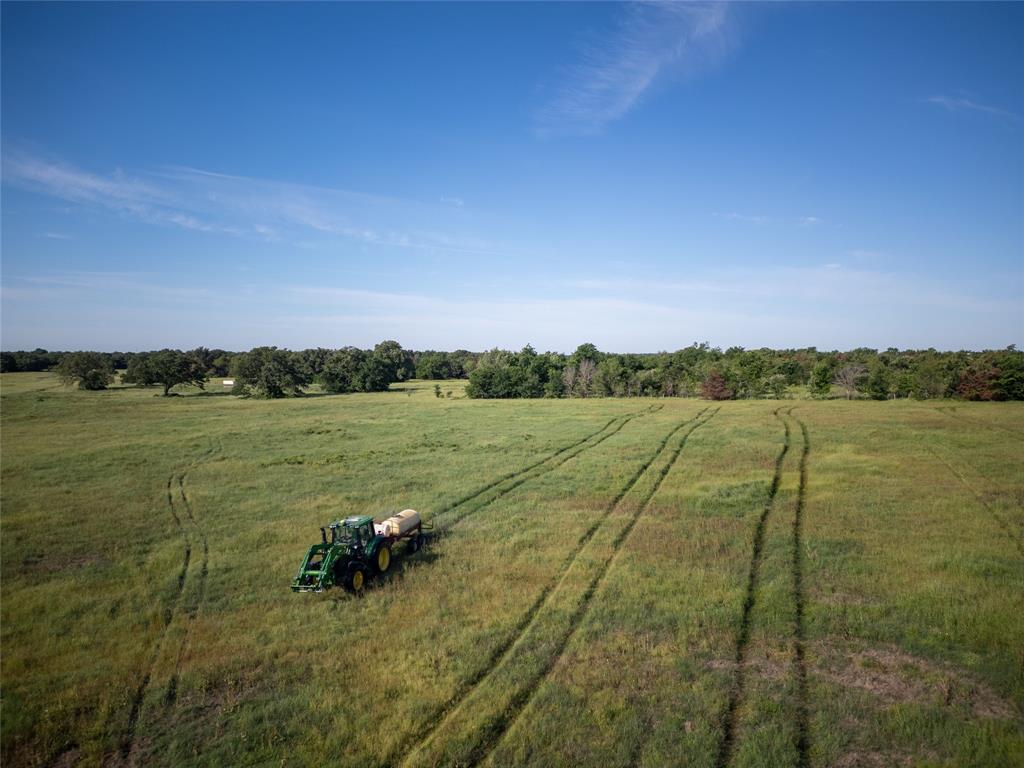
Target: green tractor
x,y
358,549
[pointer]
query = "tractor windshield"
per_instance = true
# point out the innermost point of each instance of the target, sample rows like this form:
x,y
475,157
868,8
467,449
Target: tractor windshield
x,y
344,535
348,535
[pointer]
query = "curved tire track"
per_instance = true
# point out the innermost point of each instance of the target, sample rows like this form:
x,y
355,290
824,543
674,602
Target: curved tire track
x,y
520,702
484,488
187,526
799,659
1003,523
953,414
729,717
550,463
492,735
522,625
192,609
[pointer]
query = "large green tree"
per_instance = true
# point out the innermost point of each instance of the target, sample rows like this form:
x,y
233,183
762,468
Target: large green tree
x,y
268,372
397,362
341,371
89,370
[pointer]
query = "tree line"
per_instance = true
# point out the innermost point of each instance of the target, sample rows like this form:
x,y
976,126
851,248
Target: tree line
x,y
696,371
736,373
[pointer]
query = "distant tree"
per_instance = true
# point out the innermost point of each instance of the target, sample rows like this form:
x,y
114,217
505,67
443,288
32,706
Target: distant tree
x,y
171,367
569,380
462,362
37,360
90,370
821,379
493,381
585,352
585,375
715,386
931,378
554,386
313,360
879,385
436,365
341,371
268,372
221,363
978,381
376,374
398,363
849,378
777,384
1009,384
8,362
140,370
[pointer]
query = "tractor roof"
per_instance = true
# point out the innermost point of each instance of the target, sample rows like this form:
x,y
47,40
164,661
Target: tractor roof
x,y
356,521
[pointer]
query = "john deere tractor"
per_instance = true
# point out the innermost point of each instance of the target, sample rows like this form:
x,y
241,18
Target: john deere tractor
x,y
356,549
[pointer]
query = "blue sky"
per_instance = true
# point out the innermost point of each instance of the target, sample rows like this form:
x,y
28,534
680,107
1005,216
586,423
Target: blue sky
x,y
474,175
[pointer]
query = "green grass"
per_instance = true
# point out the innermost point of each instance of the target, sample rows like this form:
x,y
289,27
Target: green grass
x,y
588,599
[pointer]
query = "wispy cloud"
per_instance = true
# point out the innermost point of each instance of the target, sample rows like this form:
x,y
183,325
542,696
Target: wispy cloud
x,y
56,236
780,306
733,216
961,103
801,221
261,209
828,305
650,40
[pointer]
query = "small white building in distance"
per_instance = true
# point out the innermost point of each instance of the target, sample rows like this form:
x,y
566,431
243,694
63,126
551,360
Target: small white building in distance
x,y
229,382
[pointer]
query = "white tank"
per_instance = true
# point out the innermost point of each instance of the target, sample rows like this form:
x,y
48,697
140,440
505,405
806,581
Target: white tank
x,y
398,524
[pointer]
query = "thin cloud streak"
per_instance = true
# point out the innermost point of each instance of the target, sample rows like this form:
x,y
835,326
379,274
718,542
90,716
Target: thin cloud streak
x,y
830,306
613,75
733,216
961,103
259,209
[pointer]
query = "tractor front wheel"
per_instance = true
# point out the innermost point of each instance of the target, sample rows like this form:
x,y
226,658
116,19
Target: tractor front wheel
x,y
355,580
383,560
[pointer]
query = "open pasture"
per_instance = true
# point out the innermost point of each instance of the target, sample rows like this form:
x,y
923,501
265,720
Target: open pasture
x,y
611,582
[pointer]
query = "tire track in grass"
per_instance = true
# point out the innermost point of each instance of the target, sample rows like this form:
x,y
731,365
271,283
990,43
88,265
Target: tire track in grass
x,y
799,636
1003,523
192,610
187,532
501,652
743,637
127,746
484,488
496,729
552,462
951,411
520,703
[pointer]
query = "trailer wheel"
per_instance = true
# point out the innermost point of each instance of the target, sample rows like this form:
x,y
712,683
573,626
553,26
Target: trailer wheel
x,y
355,580
383,560
417,543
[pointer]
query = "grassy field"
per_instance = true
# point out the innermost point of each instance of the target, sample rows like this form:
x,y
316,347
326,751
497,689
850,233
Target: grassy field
x,y
611,583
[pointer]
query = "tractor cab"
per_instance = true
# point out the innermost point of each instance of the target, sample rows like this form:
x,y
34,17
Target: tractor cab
x,y
356,531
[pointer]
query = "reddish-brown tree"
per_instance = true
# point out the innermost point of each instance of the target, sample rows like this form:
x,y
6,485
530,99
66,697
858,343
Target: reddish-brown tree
x,y
715,387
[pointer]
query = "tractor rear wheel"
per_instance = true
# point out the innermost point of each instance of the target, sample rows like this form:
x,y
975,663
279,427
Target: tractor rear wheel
x,y
383,559
355,579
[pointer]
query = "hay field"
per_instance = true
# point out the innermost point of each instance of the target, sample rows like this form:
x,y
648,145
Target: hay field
x,y
612,582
